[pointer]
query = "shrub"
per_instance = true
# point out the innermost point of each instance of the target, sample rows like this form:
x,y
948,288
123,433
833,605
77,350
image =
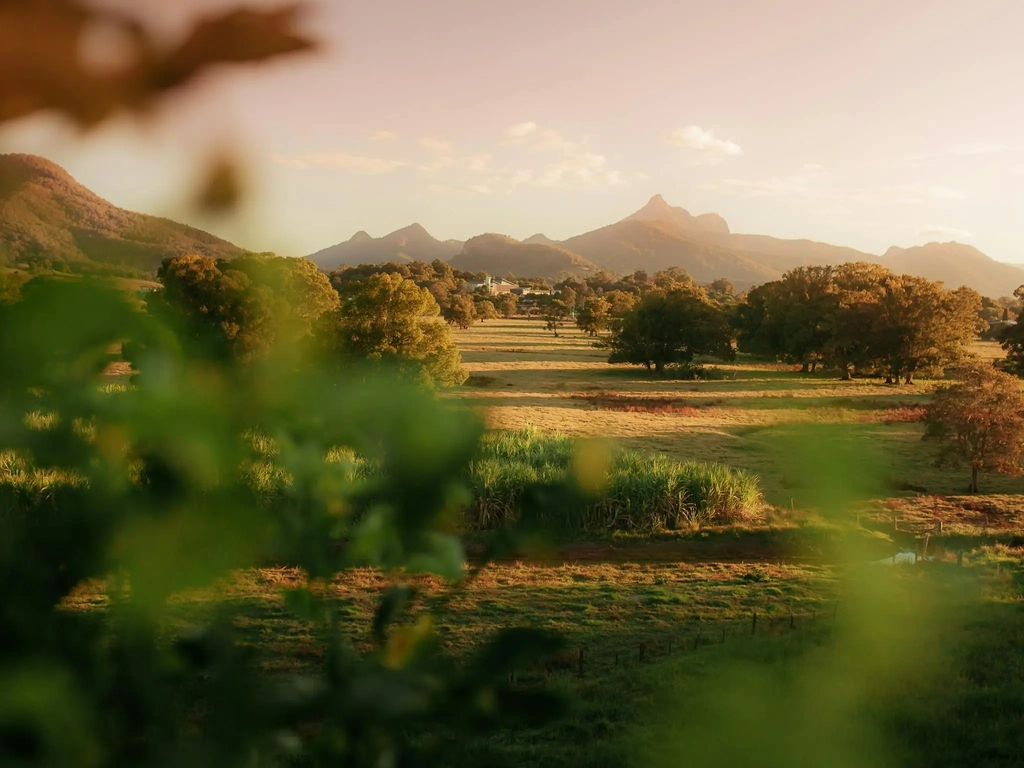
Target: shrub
x,y
643,493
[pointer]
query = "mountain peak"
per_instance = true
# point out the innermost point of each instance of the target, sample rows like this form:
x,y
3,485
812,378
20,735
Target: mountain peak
x,y
414,231
658,210
541,238
360,237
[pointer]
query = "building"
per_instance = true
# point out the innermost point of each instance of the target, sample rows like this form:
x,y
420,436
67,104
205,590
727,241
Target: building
x,y
494,285
532,291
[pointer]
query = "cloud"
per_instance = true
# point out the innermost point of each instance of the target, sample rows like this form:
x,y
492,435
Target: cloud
x,y
370,166
436,145
479,163
641,176
695,138
553,141
520,131
537,159
947,233
383,136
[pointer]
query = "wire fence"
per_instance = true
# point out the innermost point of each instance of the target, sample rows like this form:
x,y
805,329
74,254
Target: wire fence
x,y
589,661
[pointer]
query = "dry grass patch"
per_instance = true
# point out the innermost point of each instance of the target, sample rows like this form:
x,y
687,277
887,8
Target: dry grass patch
x,y
615,401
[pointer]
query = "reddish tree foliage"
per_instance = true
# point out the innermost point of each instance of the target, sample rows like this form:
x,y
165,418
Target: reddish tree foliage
x,y
978,421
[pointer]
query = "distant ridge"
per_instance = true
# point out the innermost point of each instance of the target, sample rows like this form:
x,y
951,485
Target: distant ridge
x,y
956,264
501,254
411,243
46,215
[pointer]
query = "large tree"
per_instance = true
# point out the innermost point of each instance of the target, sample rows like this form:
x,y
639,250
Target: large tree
x,y
786,318
389,321
919,324
978,422
243,307
668,327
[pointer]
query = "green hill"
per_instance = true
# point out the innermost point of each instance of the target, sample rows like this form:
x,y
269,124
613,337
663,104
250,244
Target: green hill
x,y
47,216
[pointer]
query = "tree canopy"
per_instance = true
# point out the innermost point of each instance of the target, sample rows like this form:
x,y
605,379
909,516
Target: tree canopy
x,y
243,307
978,422
390,321
859,317
668,327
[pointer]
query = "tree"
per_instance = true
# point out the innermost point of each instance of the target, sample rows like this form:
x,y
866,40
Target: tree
x,y
461,310
722,289
919,324
243,307
850,325
556,314
594,316
620,302
979,422
485,310
11,284
672,278
388,320
786,318
671,327
506,304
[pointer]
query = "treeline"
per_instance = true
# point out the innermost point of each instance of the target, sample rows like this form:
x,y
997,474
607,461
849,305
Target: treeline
x,y
241,309
457,303
858,319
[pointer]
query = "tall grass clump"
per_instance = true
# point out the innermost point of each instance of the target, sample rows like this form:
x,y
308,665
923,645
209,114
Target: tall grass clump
x,y
642,493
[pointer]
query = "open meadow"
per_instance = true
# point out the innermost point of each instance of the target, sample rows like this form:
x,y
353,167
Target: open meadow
x,y
658,625
766,419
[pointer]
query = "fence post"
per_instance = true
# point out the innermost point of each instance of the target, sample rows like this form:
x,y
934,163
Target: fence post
x,y
696,639
641,651
753,625
581,663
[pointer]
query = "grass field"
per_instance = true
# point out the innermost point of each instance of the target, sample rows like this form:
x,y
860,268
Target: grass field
x,y
765,419
848,662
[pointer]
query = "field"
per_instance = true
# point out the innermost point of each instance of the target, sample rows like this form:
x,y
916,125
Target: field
x,y
676,637
766,419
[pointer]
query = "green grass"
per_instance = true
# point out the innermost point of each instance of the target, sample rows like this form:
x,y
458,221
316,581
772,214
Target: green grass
x,y
642,492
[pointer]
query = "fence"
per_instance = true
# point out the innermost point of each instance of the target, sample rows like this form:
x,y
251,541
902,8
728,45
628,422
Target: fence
x,y
588,661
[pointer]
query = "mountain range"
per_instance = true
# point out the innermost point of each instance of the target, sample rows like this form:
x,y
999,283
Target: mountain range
x,y
46,214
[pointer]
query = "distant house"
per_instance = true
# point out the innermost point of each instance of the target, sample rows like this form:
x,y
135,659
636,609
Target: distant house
x,y
494,285
532,291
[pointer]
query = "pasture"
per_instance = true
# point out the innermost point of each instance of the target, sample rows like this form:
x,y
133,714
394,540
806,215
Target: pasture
x,y
765,419
663,646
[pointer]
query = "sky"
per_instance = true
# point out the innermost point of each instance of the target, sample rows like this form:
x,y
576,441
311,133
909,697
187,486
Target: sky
x,y
866,124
